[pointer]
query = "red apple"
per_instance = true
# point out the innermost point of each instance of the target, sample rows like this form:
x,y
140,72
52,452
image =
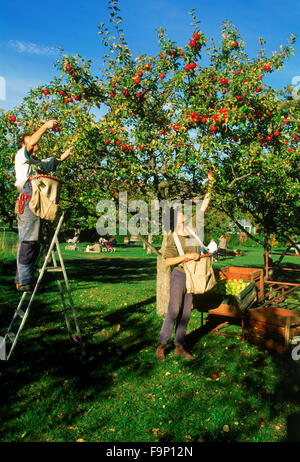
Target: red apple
x,y
269,137
175,127
68,68
267,67
276,133
223,81
192,43
285,121
137,81
161,75
106,141
234,44
196,36
148,66
12,118
46,92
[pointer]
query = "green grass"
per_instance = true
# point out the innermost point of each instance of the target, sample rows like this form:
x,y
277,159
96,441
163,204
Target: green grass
x,y
121,393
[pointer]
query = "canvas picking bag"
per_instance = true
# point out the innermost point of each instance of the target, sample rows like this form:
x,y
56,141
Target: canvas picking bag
x,y
45,196
200,277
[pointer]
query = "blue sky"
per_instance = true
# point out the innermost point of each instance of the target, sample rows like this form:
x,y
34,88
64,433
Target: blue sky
x,y
30,33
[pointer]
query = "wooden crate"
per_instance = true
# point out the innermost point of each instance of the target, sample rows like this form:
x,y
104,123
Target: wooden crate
x,y
235,306
272,327
247,274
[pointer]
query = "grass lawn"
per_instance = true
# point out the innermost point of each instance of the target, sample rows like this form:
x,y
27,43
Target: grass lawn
x,y
232,391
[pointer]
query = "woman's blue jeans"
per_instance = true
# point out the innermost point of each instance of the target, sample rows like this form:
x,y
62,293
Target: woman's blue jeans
x,y
179,310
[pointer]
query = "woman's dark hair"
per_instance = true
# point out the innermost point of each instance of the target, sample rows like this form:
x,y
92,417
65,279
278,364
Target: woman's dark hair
x,y
21,138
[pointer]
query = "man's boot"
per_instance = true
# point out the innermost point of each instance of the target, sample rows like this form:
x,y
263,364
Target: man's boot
x,y
180,351
160,352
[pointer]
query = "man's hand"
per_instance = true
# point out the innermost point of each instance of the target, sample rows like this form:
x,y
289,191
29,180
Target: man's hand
x,y
66,154
51,124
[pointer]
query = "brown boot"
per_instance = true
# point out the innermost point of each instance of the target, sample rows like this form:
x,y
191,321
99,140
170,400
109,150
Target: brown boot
x,y
160,352
180,351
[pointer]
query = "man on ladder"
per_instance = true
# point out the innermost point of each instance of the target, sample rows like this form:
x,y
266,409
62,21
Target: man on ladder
x,y
28,222
29,226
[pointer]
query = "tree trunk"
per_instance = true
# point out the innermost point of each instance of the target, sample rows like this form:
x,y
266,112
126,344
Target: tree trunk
x,y
150,242
162,283
267,250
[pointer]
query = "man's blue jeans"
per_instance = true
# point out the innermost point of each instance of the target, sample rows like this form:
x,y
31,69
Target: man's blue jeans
x,y
28,248
179,310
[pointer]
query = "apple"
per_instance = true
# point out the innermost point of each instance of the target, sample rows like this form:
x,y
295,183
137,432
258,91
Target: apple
x,y
267,67
161,75
223,81
106,141
290,150
213,128
187,67
285,121
234,44
124,146
62,92
193,65
118,142
68,68
192,43
196,36
76,97
136,80
140,73
12,118
269,137
66,100
46,92
276,133
148,66
175,127
203,119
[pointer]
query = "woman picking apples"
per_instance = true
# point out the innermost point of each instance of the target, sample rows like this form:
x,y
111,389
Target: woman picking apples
x,y
180,304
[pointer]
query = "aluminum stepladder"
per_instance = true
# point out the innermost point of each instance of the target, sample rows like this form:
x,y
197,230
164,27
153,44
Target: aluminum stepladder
x,y
11,337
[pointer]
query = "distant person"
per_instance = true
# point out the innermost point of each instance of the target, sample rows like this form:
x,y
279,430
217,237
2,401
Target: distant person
x,y
222,246
93,248
213,249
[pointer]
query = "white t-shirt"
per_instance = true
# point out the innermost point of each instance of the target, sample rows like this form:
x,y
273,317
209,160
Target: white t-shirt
x,y
212,247
24,162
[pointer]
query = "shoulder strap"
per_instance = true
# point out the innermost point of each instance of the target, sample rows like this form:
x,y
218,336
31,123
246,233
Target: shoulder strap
x,y
196,237
177,242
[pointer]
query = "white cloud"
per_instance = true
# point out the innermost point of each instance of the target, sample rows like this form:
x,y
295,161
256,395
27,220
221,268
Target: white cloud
x,y
32,48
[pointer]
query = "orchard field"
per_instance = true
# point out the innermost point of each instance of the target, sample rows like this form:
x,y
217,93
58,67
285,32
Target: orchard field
x,y
232,391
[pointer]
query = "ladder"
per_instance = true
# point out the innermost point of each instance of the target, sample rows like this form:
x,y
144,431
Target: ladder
x,y
21,314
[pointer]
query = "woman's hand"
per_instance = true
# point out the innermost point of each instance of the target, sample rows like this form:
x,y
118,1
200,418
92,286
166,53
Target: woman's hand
x,y
191,256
